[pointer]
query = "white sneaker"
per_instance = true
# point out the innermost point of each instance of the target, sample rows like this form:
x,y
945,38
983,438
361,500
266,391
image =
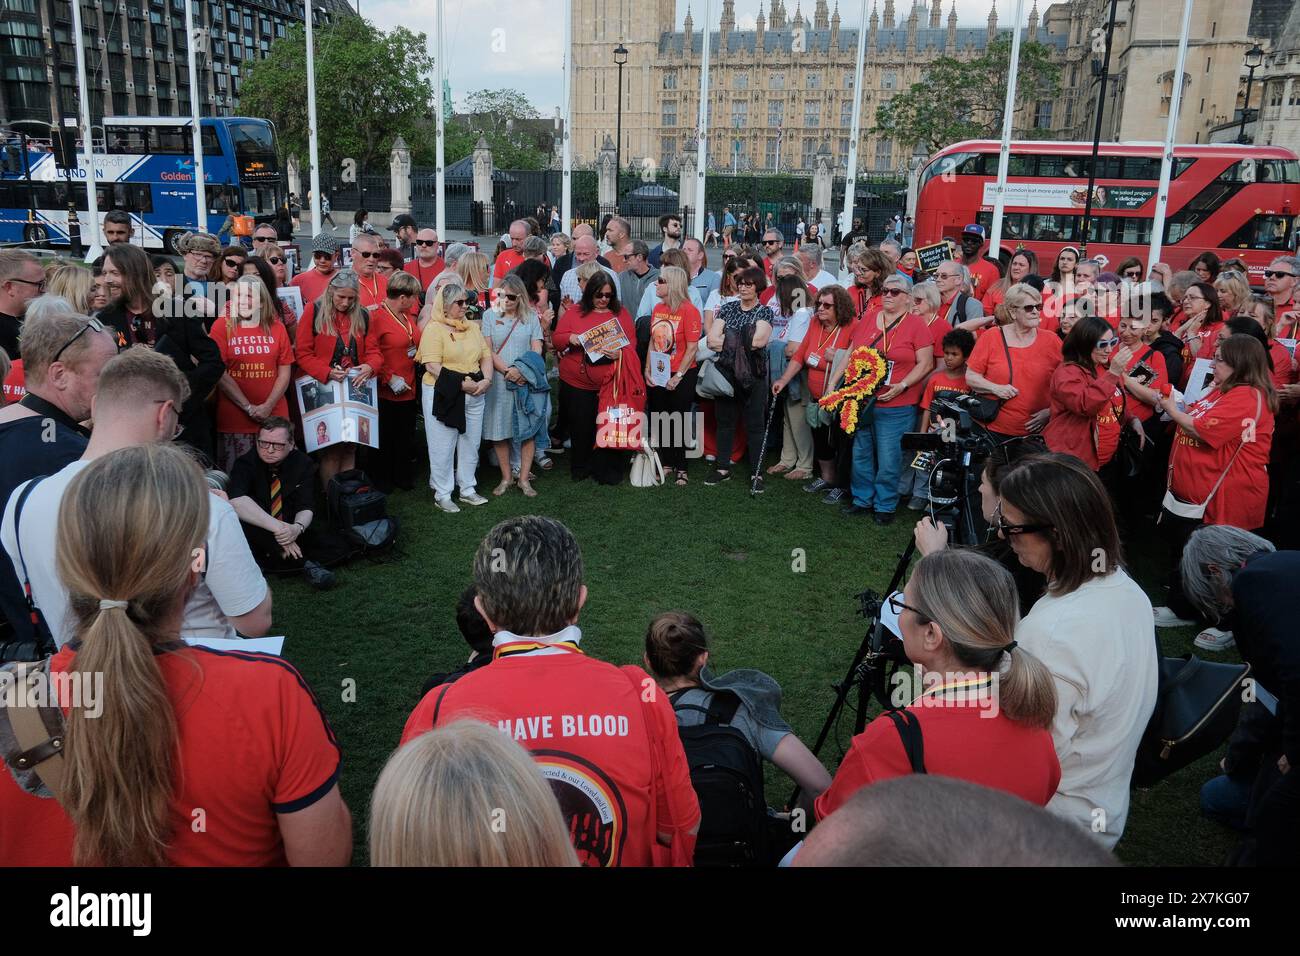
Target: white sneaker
x,y
1214,639
1167,618
473,498
447,505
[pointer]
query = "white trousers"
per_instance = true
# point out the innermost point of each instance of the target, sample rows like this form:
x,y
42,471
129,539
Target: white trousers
x,y
446,445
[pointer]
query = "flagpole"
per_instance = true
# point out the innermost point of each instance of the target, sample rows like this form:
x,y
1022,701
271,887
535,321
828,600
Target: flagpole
x,y
1008,119
440,199
855,127
1171,130
566,162
313,144
94,250
702,127
196,132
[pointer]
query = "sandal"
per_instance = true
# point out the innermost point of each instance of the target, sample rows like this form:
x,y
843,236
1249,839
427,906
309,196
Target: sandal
x,y
528,490
778,469
502,488
682,478
546,464
798,474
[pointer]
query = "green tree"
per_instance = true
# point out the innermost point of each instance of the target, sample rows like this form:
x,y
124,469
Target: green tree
x,y
371,86
958,100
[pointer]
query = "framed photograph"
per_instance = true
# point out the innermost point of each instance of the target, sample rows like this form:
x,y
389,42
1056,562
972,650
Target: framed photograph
x,y
367,394
323,429
314,395
293,295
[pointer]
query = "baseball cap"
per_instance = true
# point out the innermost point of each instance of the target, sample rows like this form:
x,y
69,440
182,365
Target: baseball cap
x,y
402,220
975,229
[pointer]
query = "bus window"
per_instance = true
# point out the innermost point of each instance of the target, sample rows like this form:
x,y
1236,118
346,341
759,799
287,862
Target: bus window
x,y
11,196
1140,167
1277,171
969,164
254,148
1056,166
211,144
139,198
260,200
1263,232
126,139
1017,165
171,141
1052,228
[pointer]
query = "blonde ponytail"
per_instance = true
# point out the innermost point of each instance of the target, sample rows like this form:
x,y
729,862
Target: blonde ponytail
x,y
131,528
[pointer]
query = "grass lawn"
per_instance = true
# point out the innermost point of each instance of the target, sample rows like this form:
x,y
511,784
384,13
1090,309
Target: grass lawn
x,y
715,552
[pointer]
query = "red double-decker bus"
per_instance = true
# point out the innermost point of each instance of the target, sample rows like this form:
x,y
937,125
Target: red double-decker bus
x,y
1223,198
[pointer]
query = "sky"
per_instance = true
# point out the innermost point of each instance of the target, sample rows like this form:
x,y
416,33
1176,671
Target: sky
x,y
494,44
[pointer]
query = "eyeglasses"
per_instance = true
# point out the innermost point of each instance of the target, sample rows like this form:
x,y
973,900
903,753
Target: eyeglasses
x,y
265,445
275,260
201,255
40,286
1275,274
748,282
898,607
1008,530
1109,343
1193,298
890,293
95,324
945,275
176,432
426,242
364,255
233,263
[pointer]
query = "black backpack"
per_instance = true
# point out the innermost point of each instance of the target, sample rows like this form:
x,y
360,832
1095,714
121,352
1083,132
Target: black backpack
x,y
727,775
359,511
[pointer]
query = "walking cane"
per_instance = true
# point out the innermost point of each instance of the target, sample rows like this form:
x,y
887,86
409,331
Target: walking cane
x,y
767,430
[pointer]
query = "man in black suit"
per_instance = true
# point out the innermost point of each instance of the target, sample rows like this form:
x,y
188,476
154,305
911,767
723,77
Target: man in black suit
x,y
272,489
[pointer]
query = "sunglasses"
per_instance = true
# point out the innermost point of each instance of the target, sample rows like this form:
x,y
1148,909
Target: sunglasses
x,y
456,302
1007,530
263,238
602,295
323,255
265,445
509,296
426,242
1031,307
890,293
1109,343
233,263
1274,274
95,324
365,255
275,260
1133,274
774,242
661,281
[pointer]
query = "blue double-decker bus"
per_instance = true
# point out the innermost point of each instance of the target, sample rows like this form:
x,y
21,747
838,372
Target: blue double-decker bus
x,y
144,166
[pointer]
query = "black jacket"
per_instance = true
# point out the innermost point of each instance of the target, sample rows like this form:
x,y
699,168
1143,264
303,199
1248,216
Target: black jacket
x,y
10,326
251,478
449,399
1265,634
182,339
1171,347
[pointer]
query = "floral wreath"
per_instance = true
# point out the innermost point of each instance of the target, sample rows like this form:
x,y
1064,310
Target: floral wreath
x,y
864,373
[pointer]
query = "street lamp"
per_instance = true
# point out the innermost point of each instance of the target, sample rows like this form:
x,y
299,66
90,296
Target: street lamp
x,y
1254,57
620,57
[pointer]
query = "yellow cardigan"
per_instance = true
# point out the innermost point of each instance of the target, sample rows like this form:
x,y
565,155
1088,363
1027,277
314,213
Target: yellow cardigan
x,y
462,352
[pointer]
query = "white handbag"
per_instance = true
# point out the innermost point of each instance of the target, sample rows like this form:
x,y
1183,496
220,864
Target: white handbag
x,y
647,470
1190,509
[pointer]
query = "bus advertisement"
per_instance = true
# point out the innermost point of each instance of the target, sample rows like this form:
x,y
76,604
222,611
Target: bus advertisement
x,y
1227,199
144,166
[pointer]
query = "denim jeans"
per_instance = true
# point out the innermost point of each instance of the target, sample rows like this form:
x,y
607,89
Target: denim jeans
x,y
1226,799
878,457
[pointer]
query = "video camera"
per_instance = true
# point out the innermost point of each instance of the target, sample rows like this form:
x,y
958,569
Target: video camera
x,y
951,459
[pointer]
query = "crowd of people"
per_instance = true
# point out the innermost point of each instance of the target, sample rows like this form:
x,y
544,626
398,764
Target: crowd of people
x,y
154,469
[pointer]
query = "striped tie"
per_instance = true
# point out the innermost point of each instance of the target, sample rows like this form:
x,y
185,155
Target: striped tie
x,y
277,505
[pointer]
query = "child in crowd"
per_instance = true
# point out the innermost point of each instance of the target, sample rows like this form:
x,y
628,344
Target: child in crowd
x,y
957,346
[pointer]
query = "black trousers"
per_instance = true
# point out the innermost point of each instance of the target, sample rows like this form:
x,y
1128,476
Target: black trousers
x,y
673,432
745,410
579,408
270,555
392,463
1174,532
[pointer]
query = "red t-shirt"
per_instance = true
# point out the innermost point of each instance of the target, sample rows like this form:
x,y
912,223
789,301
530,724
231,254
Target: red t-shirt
x,y
575,370
509,259
312,284
1204,343
822,343
396,336
1287,325
673,332
960,740
253,359
864,303
426,274
15,384
898,343
1030,372
1223,423
373,290
1284,370
938,327
992,298
983,276
943,381
252,742
1156,362
597,738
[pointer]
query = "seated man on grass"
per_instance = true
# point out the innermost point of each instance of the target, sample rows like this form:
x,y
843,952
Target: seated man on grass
x,y
272,489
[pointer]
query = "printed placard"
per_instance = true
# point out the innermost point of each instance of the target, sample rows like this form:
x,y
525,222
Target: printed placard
x,y
932,256
334,412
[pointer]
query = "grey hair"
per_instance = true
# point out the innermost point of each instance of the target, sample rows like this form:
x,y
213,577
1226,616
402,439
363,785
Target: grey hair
x,y
892,243
48,304
931,292
1091,263
1224,547
528,572
1292,261
534,246
789,262
454,252
1179,283
639,248
964,271
812,253
897,279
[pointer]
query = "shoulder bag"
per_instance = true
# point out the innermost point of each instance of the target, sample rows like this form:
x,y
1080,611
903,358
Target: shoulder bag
x,y
990,405
647,469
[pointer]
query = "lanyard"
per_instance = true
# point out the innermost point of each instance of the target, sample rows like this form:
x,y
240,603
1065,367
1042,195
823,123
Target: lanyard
x,y
410,333
374,286
835,340
885,333
48,409
527,647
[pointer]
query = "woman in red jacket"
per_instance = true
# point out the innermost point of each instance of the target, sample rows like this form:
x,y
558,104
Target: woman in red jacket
x,y
1087,391
581,377
397,336
336,342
